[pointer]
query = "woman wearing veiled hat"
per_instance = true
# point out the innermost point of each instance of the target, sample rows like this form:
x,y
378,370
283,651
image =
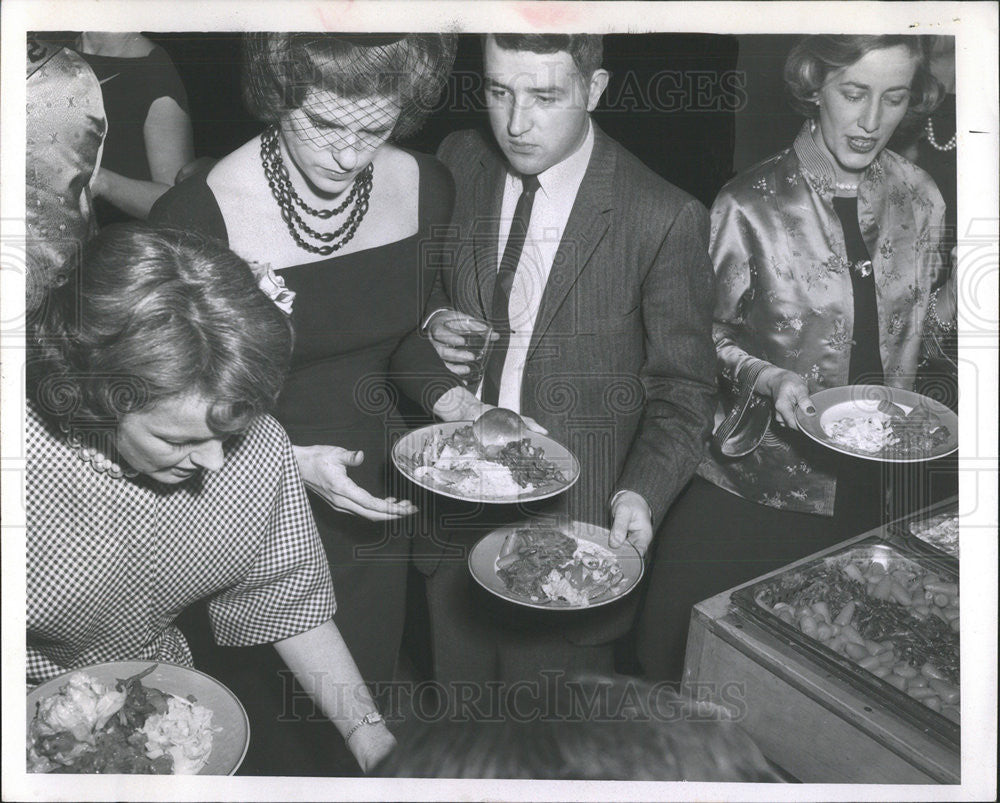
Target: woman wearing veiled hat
x,y
326,200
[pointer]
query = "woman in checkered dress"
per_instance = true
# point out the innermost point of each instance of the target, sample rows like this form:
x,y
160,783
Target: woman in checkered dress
x,y
155,479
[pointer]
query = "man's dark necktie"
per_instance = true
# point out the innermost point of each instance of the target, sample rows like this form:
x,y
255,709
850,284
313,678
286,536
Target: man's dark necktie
x,y
500,319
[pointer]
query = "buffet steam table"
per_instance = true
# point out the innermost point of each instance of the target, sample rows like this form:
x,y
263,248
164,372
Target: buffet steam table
x,y
805,718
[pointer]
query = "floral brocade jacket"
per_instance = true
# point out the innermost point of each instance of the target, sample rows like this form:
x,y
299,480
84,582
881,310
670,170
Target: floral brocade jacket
x,y
784,295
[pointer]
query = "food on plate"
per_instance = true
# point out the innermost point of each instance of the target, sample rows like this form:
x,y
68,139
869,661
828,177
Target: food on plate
x,y
889,616
87,727
461,463
940,531
544,564
498,426
864,433
888,433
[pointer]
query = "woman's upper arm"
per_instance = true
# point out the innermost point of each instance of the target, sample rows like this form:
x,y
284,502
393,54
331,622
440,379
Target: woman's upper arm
x,y
169,139
731,254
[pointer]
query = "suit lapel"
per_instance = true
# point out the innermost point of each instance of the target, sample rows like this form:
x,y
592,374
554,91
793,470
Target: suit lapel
x,y
488,200
588,222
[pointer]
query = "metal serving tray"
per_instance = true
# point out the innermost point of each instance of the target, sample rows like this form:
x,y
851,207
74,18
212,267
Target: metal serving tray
x,y
787,583
900,532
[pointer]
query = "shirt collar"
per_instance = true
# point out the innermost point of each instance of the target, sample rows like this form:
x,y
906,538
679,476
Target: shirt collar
x,y
567,174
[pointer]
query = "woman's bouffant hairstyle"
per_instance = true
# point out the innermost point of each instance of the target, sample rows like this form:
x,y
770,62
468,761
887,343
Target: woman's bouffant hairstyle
x,y
154,314
813,58
586,49
279,69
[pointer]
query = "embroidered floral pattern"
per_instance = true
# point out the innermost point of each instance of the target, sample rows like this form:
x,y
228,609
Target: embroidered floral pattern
x,y
840,339
794,323
822,184
886,249
897,197
922,243
888,276
835,263
919,199
821,274
773,500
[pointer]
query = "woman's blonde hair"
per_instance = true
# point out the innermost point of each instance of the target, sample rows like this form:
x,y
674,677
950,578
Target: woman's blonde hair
x,y
813,58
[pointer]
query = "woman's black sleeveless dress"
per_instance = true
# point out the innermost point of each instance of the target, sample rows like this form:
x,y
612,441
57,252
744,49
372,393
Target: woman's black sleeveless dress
x,y
357,346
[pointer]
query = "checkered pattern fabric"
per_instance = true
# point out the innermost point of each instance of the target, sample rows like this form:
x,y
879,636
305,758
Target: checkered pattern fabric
x,y
111,563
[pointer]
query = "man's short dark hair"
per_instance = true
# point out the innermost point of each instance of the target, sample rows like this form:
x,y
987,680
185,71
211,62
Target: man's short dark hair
x,y
586,49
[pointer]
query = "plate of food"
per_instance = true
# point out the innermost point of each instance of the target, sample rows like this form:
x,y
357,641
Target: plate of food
x,y
940,531
476,462
135,717
875,422
568,566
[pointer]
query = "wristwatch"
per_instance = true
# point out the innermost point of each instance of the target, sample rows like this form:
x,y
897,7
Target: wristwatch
x,y
371,718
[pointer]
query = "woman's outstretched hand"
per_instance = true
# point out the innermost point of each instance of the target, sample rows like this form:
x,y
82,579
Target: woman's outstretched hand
x,y
324,471
787,391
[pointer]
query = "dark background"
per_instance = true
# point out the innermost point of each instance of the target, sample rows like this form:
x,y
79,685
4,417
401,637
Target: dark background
x,y
696,108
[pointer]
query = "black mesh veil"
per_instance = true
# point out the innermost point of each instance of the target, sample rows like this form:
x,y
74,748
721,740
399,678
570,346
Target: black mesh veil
x,y
284,72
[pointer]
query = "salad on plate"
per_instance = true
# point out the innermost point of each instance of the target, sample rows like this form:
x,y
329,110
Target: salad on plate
x,y
127,728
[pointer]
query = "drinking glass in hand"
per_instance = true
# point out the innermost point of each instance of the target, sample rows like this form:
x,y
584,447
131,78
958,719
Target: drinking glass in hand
x,y
477,336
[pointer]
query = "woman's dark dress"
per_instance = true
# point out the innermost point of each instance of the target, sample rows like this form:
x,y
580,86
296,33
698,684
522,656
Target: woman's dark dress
x,y
356,320
129,86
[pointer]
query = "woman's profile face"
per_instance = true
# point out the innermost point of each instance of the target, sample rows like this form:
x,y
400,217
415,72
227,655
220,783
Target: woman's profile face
x,y
860,107
331,139
170,441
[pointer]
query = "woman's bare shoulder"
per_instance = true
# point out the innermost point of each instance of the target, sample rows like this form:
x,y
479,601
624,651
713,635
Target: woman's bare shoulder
x,y
234,173
398,163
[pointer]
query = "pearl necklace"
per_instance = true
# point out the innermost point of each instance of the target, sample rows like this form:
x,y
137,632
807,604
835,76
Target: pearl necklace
x,y
948,146
852,188
95,457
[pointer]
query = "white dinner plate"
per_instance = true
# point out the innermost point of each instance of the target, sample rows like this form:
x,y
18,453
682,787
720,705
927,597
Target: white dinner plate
x,y
834,404
483,560
229,745
412,443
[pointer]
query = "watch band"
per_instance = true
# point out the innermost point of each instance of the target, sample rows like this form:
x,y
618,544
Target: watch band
x,y
371,718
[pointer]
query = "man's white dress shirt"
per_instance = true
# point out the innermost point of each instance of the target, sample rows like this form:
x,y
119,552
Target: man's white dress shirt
x,y
550,211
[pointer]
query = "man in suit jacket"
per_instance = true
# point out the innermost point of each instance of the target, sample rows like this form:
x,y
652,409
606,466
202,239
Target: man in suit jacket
x,y
610,343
